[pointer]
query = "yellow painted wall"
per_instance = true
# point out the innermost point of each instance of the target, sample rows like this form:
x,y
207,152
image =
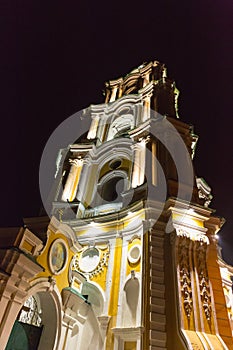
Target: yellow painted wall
x,y
61,279
130,345
43,259
125,165
113,303
114,293
187,218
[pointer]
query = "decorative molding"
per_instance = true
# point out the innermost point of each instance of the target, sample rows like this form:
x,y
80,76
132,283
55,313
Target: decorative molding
x,y
103,263
76,162
204,191
185,274
30,243
204,284
104,321
128,334
58,227
192,235
58,256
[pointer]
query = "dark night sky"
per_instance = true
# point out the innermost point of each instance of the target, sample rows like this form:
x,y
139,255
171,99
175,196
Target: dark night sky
x,y
55,57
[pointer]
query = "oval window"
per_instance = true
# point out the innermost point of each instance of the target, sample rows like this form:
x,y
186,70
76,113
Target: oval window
x,y
134,254
115,164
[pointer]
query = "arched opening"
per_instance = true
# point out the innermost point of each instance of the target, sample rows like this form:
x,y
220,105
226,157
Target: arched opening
x,y
28,326
111,190
121,125
130,303
94,297
36,324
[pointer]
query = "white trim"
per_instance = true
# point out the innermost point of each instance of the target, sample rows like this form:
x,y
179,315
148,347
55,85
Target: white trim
x,y
91,268
131,259
44,285
112,246
122,280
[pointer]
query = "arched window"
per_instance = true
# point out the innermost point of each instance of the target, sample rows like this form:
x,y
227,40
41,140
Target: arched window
x,y
27,329
121,125
30,312
111,187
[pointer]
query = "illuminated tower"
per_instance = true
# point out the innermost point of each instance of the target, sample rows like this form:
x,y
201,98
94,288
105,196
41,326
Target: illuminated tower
x,y
130,256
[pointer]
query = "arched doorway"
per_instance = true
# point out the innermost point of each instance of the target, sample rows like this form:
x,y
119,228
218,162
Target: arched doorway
x,y
27,329
36,325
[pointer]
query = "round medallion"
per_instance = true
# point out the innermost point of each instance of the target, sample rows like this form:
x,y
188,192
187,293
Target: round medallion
x,y
89,260
58,255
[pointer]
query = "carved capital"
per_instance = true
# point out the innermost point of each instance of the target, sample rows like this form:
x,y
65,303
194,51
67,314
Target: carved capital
x,y
76,162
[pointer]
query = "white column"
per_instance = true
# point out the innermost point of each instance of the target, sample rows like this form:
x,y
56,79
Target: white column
x,y
154,175
139,164
15,291
93,128
11,313
5,298
72,180
142,161
146,108
113,94
136,168
82,181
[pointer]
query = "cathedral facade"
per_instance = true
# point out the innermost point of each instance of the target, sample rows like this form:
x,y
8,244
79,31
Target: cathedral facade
x,y
129,259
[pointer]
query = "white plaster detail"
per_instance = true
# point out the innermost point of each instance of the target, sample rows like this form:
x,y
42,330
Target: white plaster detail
x,y
59,227
29,240
112,245
129,333
139,163
72,181
194,235
89,259
134,254
51,306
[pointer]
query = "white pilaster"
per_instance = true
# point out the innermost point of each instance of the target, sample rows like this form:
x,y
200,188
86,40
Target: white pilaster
x,y
139,164
72,180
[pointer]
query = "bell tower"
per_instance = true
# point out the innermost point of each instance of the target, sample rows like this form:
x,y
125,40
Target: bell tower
x,y
148,238
129,259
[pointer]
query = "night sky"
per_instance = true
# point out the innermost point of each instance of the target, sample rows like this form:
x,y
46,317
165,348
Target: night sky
x,y
56,56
